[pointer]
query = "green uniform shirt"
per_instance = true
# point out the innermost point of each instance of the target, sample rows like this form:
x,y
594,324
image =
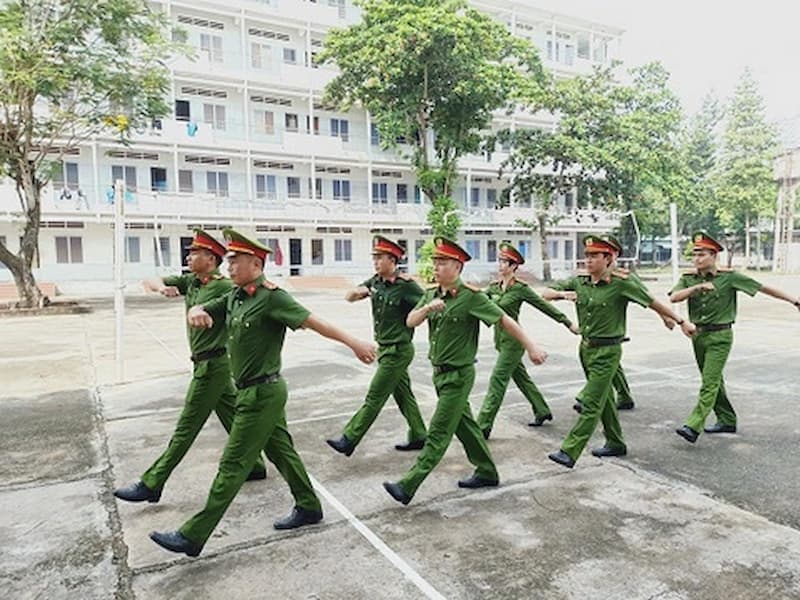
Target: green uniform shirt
x,y
453,332
601,306
199,291
257,325
718,306
511,299
392,300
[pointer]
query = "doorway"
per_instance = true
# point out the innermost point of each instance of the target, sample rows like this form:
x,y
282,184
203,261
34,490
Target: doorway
x,y
295,255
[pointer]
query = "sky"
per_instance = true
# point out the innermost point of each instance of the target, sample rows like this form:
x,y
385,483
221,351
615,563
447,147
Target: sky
x,y
706,44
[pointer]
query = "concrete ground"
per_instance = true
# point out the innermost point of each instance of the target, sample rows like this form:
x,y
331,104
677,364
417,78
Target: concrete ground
x,y
718,519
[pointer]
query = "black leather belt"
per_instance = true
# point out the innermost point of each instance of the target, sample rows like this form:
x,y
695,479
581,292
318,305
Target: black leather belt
x,y
208,354
713,327
439,369
599,342
246,383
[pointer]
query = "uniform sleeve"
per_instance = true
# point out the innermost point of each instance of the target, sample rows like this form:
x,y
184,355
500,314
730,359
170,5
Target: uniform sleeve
x,y
635,291
367,283
745,284
682,284
565,285
179,281
544,306
218,307
484,309
285,309
412,293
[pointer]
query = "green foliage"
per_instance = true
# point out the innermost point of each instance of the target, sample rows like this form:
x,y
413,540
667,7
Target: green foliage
x,y
743,177
430,73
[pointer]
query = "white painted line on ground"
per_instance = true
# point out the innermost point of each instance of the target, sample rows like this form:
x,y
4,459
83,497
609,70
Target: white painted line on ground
x,y
389,554
159,341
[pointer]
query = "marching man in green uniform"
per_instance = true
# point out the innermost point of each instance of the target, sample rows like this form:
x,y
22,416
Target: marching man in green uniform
x,y
602,297
509,293
257,313
393,295
454,312
211,388
711,292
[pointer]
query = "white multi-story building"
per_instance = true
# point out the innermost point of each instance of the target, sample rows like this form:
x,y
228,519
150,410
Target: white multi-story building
x,y
250,145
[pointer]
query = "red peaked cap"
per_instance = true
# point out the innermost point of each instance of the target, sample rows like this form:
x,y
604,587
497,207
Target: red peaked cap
x,y
508,252
204,241
449,249
382,245
242,245
702,240
601,243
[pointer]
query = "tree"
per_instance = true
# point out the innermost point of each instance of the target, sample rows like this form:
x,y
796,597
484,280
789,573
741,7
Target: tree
x,y
68,71
430,73
547,163
744,179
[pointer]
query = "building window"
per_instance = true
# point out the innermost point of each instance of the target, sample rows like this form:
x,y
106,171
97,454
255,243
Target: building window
x,y
474,249
265,122
340,128
317,188
260,56
402,193
290,56
211,46
132,249
66,177
374,136
161,252
185,181
292,122
491,198
316,252
380,193
569,250
475,197
127,174
217,183
583,47
341,190
524,201
158,179
417,195
552,248
182,110
68,249
524,248
293,187
343,250
214,114
266,187
491,250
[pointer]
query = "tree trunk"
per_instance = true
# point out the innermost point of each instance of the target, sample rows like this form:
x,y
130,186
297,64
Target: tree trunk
x,y
541,219
30,296
653,249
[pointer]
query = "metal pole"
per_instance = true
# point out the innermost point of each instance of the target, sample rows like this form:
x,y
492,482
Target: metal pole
x,y
673,227
119,283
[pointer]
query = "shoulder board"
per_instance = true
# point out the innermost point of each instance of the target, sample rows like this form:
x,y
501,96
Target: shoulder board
x,y
582,273
404,276
691,272
619,273
622,270
519,281
472,287
269,285
431,286
725,270
217,276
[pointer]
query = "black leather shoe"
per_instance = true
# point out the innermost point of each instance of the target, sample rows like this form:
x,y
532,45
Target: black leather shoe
x,y
578,406
687,433
608,451
486,432
626,405
415,445
396,492
720,428
342,446
562,458
137,492
257,475
175,541
474,481
539,421
297,518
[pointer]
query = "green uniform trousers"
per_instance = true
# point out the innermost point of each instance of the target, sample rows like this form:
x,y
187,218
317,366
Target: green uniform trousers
x,y
621,387
211,388
258,423
599,365
711,350
391,378
509,366
452,416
